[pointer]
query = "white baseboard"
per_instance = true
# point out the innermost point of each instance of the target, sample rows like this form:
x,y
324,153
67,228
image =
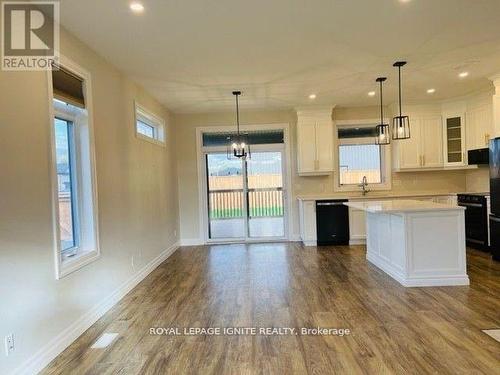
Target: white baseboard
x,y
357,241
191,242
55,346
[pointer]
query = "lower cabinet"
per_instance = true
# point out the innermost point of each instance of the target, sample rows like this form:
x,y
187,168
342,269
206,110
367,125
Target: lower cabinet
x,y
307,219
357,226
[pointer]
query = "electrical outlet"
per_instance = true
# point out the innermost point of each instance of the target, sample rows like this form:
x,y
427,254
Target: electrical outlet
x,y
9,344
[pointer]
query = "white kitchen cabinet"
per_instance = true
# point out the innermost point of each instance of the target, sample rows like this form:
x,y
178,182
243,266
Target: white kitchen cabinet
x,y
424,149
479,128
315,141
454,139
357,226
307,219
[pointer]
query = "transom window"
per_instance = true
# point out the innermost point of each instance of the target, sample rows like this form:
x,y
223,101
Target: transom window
x,y
148,126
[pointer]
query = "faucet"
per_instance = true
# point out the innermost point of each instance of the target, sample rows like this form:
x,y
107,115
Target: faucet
x,y
363,185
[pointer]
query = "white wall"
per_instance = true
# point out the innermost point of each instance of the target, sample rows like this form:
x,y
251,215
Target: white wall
x,y
137,195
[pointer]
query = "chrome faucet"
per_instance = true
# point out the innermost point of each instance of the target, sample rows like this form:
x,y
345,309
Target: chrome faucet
x,y
364,185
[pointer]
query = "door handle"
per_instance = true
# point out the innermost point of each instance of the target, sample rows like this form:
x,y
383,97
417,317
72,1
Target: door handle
x,y
330,204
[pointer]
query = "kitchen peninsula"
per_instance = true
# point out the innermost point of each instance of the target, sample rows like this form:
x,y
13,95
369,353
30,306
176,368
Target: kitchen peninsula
x,y
418,243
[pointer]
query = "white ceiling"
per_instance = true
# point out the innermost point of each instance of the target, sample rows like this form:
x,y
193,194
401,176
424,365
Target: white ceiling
x,y
191,54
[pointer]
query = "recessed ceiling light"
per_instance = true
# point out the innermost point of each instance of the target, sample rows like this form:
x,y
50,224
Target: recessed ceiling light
x,y
371,93
312,96
431,91
463,74
136,7
404,1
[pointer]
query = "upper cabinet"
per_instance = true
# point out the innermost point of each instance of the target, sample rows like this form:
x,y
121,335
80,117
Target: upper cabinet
x,y
479,125
314,142
454,139
424,149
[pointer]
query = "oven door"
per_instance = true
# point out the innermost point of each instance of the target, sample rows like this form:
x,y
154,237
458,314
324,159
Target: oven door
x,y
476,225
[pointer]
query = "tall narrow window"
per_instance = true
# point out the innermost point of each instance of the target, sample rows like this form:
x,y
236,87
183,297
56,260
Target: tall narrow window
x,y
74,171
64,142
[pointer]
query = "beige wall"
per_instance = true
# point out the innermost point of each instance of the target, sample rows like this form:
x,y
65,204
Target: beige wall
x,y
449,181
137,195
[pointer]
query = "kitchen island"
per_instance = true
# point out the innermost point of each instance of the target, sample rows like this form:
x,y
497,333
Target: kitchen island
x,y
418,243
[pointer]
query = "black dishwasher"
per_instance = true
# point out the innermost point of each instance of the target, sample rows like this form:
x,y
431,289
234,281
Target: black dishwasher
x,y
332,222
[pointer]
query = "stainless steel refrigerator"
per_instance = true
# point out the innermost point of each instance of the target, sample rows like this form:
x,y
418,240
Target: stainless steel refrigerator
x,y
495,197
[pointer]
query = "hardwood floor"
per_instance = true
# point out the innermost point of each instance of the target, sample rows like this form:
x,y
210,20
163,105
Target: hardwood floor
x,y
393,329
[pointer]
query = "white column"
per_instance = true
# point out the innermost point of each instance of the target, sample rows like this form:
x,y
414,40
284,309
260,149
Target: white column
x,y
496,105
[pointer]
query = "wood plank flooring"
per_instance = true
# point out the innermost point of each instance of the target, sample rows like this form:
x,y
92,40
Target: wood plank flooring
x,y
394,330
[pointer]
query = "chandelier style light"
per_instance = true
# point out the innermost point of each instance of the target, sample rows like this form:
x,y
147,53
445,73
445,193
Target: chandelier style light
x,y
238,146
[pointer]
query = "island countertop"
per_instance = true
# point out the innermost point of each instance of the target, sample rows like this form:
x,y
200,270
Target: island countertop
x,y
401,206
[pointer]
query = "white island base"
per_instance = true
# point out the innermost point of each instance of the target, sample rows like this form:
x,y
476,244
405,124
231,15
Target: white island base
x,y
417,243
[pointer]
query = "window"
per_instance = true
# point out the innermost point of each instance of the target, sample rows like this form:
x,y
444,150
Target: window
x,y
358,156
357,161
64,142
148,126
75,214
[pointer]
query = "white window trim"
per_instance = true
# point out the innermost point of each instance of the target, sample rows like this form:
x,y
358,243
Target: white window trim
x,y
152,120
202,196
69,266
385,156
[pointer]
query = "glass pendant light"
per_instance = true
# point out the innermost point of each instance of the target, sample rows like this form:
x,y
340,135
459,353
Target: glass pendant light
x,y
238,147
382,129
400,124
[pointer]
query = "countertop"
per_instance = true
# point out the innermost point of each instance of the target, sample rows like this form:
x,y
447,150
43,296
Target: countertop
x,y
401,206
377,195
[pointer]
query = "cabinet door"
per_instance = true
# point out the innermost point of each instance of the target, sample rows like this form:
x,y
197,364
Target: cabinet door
x,y
454,140
409,149
432,142
479,127
357,225
324,146
306,147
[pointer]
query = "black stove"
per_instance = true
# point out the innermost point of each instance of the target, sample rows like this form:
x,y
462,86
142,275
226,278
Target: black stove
x,y
476,220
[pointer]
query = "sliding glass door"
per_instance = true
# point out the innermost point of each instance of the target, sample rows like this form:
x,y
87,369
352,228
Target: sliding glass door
x,y
265,195
245,198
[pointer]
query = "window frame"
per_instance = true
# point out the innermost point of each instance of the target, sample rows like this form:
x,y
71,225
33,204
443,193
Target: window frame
x,y
385,156
73,166
85,196
157,123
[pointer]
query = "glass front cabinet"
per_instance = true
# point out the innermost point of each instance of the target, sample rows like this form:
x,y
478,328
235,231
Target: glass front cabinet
x,y
454,139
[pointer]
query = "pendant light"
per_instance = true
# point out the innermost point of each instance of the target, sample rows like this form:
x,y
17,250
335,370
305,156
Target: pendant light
x,y
400,124
382,129
238,147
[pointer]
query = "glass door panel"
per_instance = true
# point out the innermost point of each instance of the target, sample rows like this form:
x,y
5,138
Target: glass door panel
x,y
226,198
265,194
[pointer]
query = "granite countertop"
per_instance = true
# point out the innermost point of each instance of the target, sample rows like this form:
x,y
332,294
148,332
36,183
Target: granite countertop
x,y
377,195
401,206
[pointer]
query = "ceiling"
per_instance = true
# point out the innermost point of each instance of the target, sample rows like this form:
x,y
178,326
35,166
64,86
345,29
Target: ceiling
x,y
191,54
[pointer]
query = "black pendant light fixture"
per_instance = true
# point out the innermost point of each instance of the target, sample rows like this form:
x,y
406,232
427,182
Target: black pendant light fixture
x,y
382,130
238,146
400,124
